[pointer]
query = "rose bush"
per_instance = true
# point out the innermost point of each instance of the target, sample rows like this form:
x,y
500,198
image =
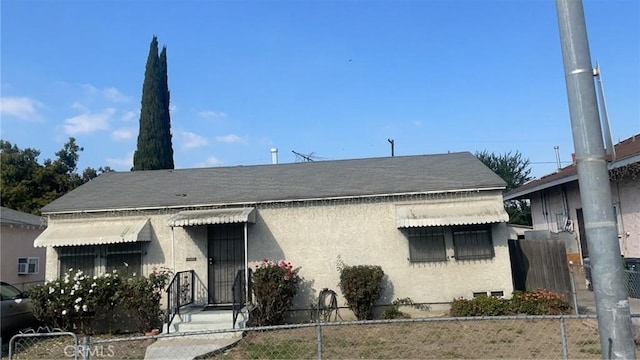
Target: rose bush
x,y
275,284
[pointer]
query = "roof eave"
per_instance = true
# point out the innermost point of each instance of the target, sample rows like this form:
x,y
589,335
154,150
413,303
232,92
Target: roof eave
x,y
615,165
253,203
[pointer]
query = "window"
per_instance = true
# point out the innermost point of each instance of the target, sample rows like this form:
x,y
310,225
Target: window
x,y
473,242
426,244
28,265
125,258
78,258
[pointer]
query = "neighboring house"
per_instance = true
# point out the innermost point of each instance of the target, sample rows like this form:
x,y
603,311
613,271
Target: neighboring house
x,y
434,223
556,207
22,264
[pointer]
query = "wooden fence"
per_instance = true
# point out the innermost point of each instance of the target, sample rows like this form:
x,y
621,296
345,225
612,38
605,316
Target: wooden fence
x,y
540,264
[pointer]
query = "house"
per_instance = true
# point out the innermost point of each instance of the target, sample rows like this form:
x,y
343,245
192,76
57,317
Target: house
x,y
434,223
22,264
556,208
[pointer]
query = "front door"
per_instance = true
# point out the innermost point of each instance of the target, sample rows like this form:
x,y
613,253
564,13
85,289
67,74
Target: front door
x,y
226,258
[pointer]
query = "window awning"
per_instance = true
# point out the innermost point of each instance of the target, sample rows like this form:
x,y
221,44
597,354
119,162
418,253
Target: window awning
x,y
86,232
211,217
449,213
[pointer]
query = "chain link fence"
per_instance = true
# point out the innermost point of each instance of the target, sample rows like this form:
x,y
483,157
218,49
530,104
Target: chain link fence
x,y
582,286
533,337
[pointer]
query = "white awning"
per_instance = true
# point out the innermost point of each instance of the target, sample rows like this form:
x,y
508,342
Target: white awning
x,y
87,232
211,217
449,213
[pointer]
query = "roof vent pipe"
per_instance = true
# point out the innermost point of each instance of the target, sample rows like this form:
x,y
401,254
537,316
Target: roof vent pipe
x,y
274,155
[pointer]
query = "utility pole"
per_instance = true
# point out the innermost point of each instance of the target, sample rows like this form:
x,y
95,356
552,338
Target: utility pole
x,y
612,302
392,143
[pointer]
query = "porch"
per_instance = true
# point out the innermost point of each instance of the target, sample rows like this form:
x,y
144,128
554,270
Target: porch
x,y
184,315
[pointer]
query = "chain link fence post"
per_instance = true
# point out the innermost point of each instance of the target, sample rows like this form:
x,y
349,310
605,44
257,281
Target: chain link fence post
x,y
574,293
563,336
85,347
319,340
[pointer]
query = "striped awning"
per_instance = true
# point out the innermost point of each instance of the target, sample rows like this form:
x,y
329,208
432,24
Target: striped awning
x,y
87,232
450,213
211,217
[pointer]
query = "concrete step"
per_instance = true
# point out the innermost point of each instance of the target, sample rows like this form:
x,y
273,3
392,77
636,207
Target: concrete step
x,y
215,316
193,326
198,319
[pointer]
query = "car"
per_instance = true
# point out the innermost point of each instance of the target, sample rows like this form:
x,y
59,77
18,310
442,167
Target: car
x,y
16,312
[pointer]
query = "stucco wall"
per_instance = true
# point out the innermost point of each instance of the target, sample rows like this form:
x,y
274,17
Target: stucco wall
x,y
17,241
312,237
625,196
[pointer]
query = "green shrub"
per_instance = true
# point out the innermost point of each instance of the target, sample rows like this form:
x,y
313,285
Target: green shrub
x,y
361,287
141,296
540,302
76,301
275,283
393,311
480,306
71,301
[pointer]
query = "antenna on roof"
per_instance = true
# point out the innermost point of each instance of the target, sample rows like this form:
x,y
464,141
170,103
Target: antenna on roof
x,y
604,116
557,149
302,157
392,142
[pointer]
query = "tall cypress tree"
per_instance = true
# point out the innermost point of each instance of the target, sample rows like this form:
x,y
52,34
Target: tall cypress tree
x,y
154,150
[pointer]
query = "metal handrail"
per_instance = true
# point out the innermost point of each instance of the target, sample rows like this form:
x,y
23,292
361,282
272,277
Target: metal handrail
x,y
180,292
240,296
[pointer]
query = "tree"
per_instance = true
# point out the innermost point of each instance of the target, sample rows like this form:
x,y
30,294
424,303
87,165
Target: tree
x,y
154,149
515,171
28,186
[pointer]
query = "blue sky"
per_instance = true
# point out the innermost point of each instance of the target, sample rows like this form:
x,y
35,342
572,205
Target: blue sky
x,y
331,79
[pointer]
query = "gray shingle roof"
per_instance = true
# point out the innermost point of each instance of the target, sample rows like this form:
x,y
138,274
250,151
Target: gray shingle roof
x,y
14,217
281,182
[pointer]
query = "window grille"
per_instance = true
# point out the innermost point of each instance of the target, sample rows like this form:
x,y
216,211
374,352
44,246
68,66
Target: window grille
x,y
473,242
427,244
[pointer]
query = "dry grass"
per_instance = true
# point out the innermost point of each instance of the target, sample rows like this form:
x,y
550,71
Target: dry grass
x,y
486,339
450,339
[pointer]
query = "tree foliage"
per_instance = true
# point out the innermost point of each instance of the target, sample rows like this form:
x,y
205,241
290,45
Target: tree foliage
x,y
154,149
28,185
515,170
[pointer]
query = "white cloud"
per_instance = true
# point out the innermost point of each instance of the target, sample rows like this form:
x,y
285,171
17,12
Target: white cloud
x,y
417,123
173,109
88,122
232,138
121,164
123,134
130,116
211,161
114,95
79,106
23,108
191,140
89,88
210,114
111,93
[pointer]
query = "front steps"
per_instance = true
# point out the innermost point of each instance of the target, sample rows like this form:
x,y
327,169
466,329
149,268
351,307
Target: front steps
x,y
199,318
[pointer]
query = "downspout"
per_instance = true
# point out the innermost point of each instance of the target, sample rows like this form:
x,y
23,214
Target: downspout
x,y
622,233
173,250
246,263
565,207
